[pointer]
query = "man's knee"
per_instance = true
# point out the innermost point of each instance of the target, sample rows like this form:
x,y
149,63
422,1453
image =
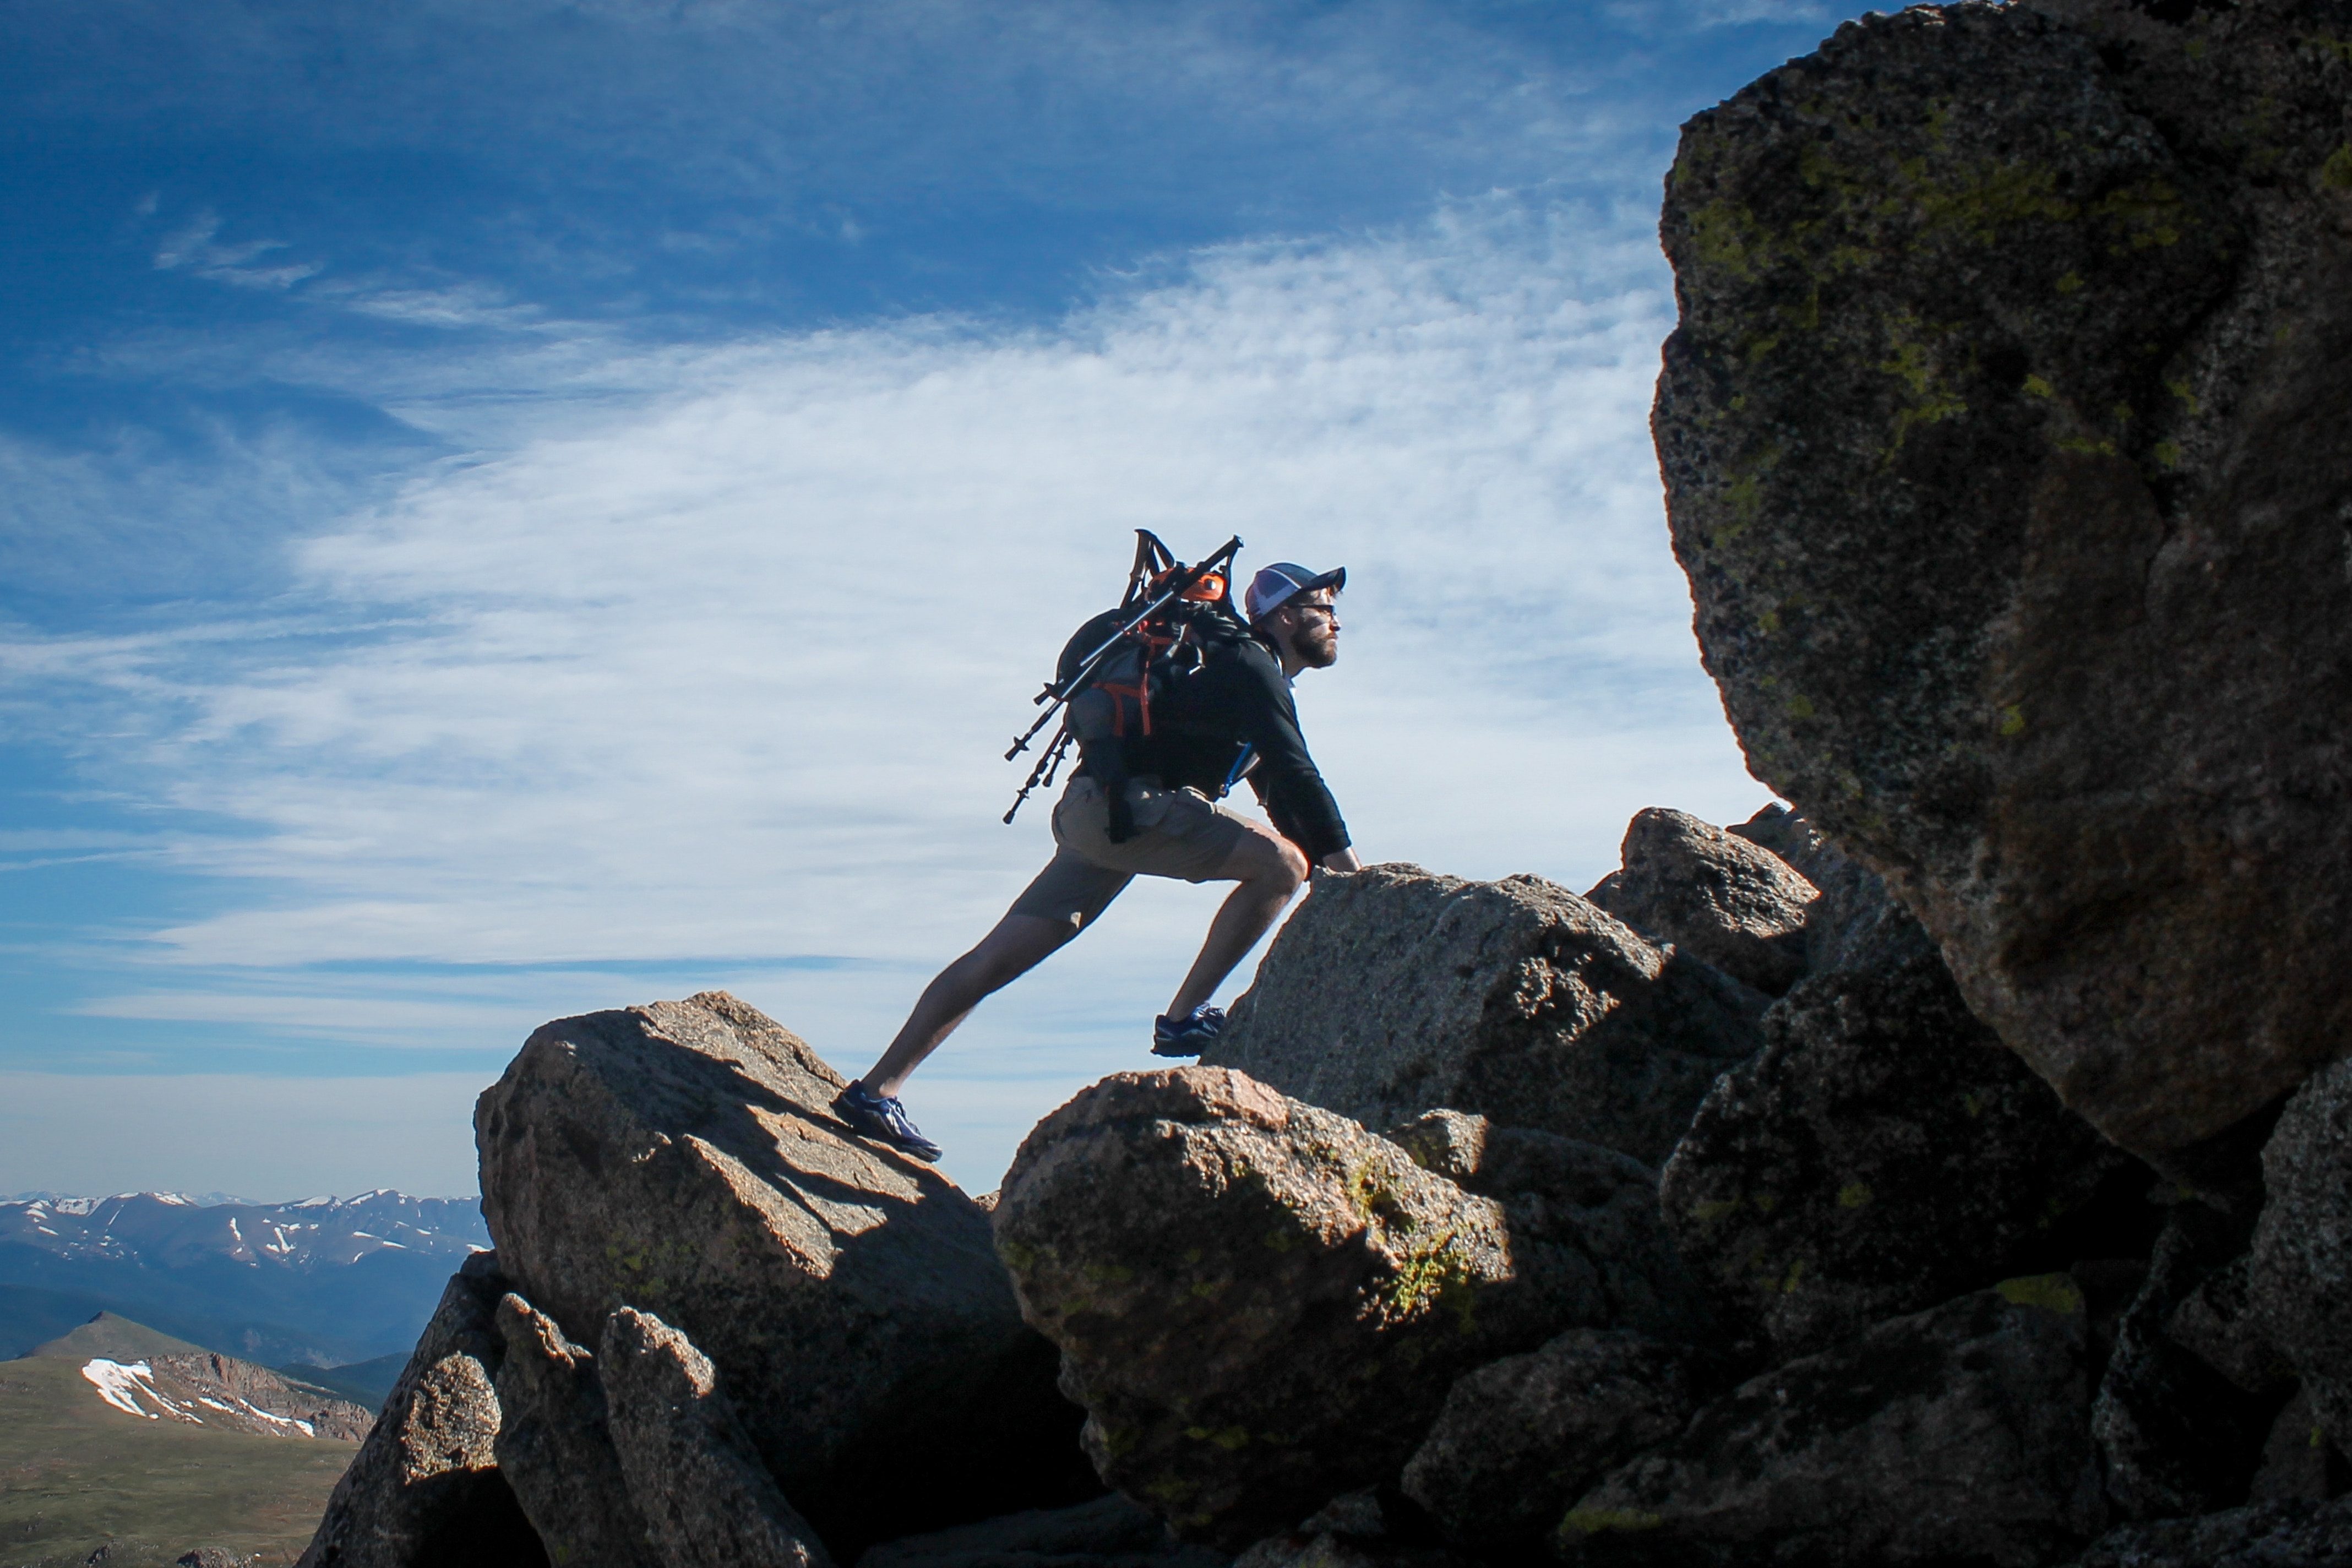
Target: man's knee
x,y
1276,864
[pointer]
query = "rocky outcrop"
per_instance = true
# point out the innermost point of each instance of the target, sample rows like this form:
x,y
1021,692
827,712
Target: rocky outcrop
x,y
1392,992
1600,1206
1713,894
1882,1153
1354,1530
1521,1438
692,1473
555,1449
2300,1270
2175,1436
2004,446
679,1159
1109,1533
1260,1304
425,1486
1957,1435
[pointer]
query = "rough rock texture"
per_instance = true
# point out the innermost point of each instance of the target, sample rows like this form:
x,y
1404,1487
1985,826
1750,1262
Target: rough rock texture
x,y
1557,1192
693,1474
2298,1461
1957,1435
2175,1436
2300,1273
2263,1535
1521,1438
424,1488
679,1159
1881,1154
1714,895
1259,1303
554,1447
1392,992
1109,1533
2216,1322
2005,443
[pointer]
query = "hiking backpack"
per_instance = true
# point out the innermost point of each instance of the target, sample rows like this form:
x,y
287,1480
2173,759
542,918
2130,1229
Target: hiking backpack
x,y
1118,664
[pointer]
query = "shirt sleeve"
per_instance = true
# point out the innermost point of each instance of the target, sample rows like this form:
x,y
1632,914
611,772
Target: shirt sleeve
x,y
1285,777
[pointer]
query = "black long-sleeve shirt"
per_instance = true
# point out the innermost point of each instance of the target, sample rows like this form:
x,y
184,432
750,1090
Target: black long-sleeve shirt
x,y
1238,699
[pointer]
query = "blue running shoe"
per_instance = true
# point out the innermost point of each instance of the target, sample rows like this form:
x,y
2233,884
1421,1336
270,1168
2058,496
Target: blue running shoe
x,y
1187,1036
883,1118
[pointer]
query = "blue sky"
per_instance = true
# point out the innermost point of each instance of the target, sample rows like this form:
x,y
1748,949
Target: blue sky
x,y
512,509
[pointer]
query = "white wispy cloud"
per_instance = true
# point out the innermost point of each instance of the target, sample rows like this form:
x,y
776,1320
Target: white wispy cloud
x,y
792,602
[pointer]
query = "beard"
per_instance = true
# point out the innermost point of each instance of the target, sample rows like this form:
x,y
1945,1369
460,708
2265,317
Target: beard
x,y
1316,647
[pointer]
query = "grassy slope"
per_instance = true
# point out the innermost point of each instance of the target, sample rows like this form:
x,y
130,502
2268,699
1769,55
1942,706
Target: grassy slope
x,y
75,1472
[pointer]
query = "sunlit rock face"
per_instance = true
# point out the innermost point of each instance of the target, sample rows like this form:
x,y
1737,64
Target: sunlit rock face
x,y
2006,442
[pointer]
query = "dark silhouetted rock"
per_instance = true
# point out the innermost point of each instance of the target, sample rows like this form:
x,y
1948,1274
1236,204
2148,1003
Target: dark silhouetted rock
x,y
1350,1532
2216,1322
1392,992
1557,1192
1957,1435
2290,1534
679,1159
1882,1153
1109,1533
1715,895
1260,1304
2298,1461
555,1449
2176,1436
425,1491
2300,1272
693,1474
2004,436
1521,1438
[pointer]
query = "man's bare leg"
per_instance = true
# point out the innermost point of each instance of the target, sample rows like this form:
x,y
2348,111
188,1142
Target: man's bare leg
x,y
1018,945
1269,868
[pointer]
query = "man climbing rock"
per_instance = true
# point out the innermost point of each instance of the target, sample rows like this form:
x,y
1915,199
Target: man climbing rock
x,y
1150,805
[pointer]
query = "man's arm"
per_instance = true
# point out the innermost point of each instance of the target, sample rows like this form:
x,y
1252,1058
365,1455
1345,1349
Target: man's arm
x,y
1285,778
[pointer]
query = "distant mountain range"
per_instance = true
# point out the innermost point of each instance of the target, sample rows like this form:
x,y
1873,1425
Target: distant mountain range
x,y
322,1283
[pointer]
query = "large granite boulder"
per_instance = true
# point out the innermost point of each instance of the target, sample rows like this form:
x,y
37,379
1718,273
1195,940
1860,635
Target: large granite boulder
x,y
2004,437
1260,1304
424,1488
1392,992
1521,1438
2300,1271
1716,895
1957,1435
679,1159
1882,1153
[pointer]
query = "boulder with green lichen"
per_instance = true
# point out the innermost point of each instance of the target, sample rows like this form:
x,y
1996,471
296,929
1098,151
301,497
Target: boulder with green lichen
x,y
1261,1304
2005,440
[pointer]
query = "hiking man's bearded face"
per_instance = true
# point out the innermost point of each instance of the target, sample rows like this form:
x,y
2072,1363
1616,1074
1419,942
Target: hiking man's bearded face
x,y
1309,626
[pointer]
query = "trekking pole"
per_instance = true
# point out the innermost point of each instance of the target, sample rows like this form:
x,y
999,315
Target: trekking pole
x,y
1041,775
1057,692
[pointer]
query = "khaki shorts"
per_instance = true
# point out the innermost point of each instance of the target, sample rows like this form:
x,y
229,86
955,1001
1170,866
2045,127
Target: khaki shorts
x,y
1183,833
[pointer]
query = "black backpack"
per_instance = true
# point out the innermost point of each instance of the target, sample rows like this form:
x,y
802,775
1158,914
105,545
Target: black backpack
x,y
1121,666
